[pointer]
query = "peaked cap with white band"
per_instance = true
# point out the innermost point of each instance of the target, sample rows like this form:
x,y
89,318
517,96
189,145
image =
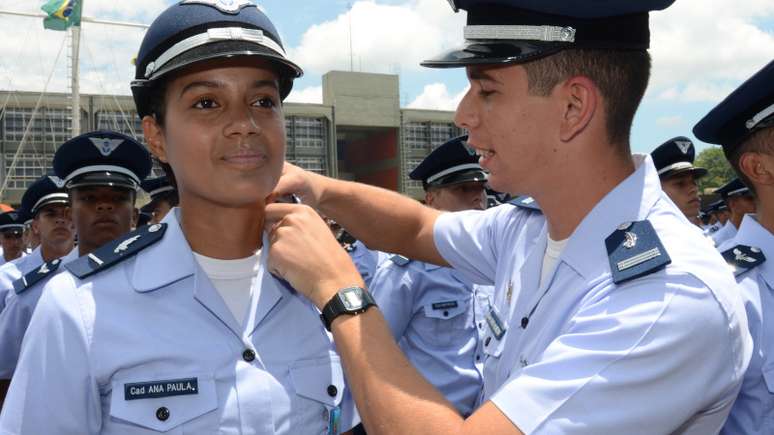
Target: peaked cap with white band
x,y
451,163
517,31
102,158
12,221
48,189
734,187
676,156
746,110
193,31
157,186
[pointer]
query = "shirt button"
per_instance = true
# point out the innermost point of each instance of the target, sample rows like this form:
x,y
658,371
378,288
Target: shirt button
x,y
248,355
478,357
446,314
162,413
332,390
480,325
486,342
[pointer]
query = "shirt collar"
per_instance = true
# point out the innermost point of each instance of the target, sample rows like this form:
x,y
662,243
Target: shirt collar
x,y
630,201
751,233
169,260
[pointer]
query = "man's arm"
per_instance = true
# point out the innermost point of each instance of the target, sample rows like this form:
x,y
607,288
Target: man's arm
x,y
382,219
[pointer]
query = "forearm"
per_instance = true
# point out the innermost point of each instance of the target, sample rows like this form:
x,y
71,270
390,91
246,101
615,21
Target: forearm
x,y
382,219
391,396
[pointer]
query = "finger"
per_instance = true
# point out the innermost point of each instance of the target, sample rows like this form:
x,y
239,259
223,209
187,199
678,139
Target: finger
x,y
277,211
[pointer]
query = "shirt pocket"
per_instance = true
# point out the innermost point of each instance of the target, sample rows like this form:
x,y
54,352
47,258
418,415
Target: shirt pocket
x,y
319,388
444,322
169,404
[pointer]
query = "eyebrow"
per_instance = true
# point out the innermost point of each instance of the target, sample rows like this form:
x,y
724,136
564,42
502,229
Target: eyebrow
x,y
216,84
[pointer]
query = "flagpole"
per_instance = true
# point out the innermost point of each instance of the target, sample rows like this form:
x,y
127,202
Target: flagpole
x,y
75,34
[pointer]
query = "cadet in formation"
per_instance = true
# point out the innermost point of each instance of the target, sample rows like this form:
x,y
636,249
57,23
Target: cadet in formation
x,y
636,326
11,232
743,124
170,329
674,162
163,198
739,201
96,182
433,311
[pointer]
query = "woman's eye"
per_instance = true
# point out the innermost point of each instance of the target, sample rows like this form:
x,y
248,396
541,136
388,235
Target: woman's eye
x,y
205,103
266,103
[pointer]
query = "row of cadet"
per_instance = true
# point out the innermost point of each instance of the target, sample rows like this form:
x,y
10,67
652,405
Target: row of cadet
x,y
629,323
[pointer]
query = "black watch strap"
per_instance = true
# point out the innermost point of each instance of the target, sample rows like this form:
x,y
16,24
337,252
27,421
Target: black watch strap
x,y
349,300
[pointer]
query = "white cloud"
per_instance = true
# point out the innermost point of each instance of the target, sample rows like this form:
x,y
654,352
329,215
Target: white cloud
x,y
670,121
310,94
697,91
436,96
426,28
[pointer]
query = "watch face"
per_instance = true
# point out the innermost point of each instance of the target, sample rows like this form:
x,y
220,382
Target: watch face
x,y
352,298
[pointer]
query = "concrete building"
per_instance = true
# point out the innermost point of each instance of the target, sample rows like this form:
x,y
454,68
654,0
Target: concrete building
x,y
359,132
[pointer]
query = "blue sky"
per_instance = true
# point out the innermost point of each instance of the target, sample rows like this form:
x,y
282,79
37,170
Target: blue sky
x,y
702,49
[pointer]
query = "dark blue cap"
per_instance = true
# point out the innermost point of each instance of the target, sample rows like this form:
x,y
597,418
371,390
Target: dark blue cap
x,y
716,206
157,186
748,109
12,221
102,158
192,31
48,189
450,163
676,156
734,187
517,31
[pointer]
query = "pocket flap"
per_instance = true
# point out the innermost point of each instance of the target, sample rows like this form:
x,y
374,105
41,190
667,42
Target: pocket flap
x,y
163,403
319,379
446,309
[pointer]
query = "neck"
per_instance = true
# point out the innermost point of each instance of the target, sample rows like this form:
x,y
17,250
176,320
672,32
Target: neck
x,y
216,231
736,219
584,181
764,213
51,252
5,255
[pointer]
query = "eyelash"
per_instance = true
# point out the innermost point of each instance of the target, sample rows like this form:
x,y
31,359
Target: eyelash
x,y
260,102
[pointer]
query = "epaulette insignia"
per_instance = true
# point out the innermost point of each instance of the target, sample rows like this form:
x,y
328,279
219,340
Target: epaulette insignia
x,y
634,250
116,251
525,202
349,247
400,260
34,277
742,258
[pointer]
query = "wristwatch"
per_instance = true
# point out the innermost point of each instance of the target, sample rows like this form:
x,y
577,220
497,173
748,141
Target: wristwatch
x,y
350,300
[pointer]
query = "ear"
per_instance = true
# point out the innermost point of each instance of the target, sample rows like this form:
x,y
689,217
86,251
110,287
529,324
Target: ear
x,y
580,97
154,137
34,227
429,197
758,168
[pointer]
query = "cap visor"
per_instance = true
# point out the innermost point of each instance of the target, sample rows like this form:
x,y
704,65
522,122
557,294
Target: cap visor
x,y
461,177
110,179
485,53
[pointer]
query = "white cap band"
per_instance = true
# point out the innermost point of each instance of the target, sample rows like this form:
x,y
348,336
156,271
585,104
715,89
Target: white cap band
x,y
452,170
155,192
102,168
58,197
675,166
520,33
763,114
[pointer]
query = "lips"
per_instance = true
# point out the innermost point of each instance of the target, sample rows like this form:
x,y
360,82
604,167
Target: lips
x,y
105,221
245,159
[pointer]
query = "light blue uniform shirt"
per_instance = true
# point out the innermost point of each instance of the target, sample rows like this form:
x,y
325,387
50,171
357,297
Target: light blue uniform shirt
x,y
150,346
724,234
753,412
15,318
366,260
434,313
13,270
661,354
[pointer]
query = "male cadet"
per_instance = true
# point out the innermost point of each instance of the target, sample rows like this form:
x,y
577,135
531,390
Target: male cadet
x,y
163,197
433,311
743,124
30,239
12,229
101,171
739,201
635,327
674,162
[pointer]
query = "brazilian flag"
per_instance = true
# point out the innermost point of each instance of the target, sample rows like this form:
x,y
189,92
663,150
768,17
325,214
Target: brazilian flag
x,y
62,14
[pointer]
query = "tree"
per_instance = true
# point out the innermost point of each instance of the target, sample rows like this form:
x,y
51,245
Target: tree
x,y
719,170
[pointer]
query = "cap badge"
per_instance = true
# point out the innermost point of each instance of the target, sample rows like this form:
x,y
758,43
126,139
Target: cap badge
x,y
57,181
630,240
226,6
105,145
684,145
13,216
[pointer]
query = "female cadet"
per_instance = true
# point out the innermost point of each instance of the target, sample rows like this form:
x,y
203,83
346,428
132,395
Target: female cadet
x,y
179,327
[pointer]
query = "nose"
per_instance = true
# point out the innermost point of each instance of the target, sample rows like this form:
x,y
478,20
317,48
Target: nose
x,y
104,205
241,121
465,117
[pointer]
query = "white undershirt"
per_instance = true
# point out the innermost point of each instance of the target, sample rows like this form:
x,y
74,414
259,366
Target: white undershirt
x,y
551,258
234,280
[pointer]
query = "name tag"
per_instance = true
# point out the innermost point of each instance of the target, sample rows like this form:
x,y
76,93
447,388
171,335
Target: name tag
x,y
493,320
155,389
445,305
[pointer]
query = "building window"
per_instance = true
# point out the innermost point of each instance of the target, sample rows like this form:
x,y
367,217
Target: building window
x,y
412,164
50,128
305,132
127,123
313,164
28,168
419,139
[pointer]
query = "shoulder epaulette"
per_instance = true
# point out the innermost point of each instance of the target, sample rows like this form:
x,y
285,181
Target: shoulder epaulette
x,y
34,277
400,260
525,202
350,247
116,251
742,258
634,250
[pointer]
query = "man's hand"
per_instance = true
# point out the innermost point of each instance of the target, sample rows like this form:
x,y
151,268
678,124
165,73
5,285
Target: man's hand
x,y
304,184
302,251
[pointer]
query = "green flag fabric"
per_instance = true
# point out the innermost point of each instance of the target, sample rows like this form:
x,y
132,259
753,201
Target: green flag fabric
x,y
62,14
